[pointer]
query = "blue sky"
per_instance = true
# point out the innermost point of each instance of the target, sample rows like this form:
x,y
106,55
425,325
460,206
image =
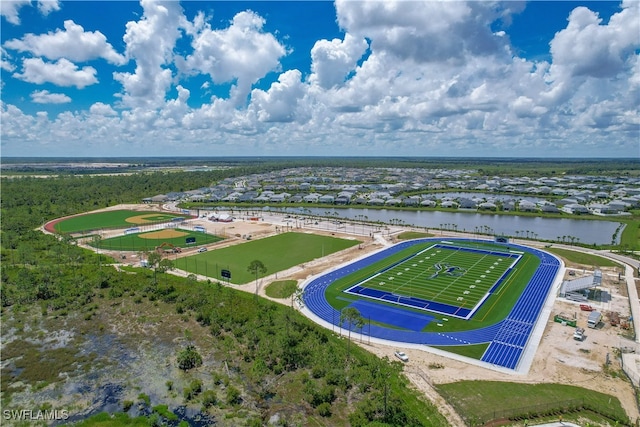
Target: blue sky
x,y
352,78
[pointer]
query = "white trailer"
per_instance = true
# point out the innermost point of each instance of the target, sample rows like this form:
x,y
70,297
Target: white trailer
x,y
594,319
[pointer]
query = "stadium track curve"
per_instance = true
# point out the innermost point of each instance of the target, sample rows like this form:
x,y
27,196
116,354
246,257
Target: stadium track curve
x,y
507,338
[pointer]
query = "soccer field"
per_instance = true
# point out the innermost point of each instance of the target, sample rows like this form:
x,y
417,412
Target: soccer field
x,y
445,279
277,253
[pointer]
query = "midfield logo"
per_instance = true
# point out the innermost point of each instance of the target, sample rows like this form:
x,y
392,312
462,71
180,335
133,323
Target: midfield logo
x,y
450,270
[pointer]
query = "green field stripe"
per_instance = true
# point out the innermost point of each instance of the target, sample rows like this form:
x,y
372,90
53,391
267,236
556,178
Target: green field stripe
x,y
417,266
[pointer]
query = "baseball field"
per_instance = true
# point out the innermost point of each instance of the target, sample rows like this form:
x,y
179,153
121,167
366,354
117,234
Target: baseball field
x,y
113,219
171,237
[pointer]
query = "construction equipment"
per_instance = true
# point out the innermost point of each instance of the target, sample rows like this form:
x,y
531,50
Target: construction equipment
x,y
565,319
614,318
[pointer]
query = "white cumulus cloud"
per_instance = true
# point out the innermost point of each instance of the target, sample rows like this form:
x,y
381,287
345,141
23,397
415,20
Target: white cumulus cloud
x,y
242,53
280,102
46,97
408,78
426,31
102,109
73,43
5,61
333,60
150,42
47,6
60,73
589,48
9,9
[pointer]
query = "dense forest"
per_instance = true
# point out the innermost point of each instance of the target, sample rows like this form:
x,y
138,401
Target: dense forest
x,y
268,357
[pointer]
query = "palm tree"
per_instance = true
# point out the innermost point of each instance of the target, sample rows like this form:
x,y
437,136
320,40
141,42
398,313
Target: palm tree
x,y
153,260
352,316
256,267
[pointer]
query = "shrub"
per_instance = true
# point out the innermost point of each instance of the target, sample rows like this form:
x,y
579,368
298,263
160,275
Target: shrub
x,y
163,411
317,371
189,358
324,409
209,398
233,396
196,386
144,398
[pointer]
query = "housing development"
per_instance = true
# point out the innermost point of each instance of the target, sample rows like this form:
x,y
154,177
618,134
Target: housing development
x,y
396,187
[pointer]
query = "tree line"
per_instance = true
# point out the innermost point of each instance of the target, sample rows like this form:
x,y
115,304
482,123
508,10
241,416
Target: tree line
x,y
266,344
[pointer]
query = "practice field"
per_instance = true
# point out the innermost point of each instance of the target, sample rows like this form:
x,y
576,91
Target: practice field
x,y
149,241
441,278
113,219
277,253
404,300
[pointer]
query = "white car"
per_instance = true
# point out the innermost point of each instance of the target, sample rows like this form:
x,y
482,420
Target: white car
x,y
402,356
202,250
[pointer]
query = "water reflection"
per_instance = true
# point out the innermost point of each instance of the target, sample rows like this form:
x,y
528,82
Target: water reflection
x,y
542,228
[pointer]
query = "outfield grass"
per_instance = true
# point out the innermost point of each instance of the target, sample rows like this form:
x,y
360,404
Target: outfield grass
x,y
137,242
281,288
277,253
582,258
478,400
496,308
111,219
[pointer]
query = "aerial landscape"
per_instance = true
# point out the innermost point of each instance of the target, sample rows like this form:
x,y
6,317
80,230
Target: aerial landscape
x,y
349,213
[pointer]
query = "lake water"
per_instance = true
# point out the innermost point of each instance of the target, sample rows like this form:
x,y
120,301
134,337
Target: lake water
x,y
584,231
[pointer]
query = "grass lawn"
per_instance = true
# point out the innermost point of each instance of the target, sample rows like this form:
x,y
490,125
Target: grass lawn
x,y
477,400
113,219
630,238
281,288
138,242
582,258
408,235
277,253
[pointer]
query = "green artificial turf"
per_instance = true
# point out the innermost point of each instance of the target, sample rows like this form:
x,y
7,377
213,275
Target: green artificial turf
x,y
277,253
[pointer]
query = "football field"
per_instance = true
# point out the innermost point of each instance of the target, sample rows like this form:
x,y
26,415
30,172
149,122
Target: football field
x,y
478,298
445,279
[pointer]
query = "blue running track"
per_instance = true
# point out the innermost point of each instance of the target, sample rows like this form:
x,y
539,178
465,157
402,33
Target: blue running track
x,y
507,339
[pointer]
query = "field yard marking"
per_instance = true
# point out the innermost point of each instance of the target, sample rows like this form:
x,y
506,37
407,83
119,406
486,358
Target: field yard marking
x,y
500,292
454,281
